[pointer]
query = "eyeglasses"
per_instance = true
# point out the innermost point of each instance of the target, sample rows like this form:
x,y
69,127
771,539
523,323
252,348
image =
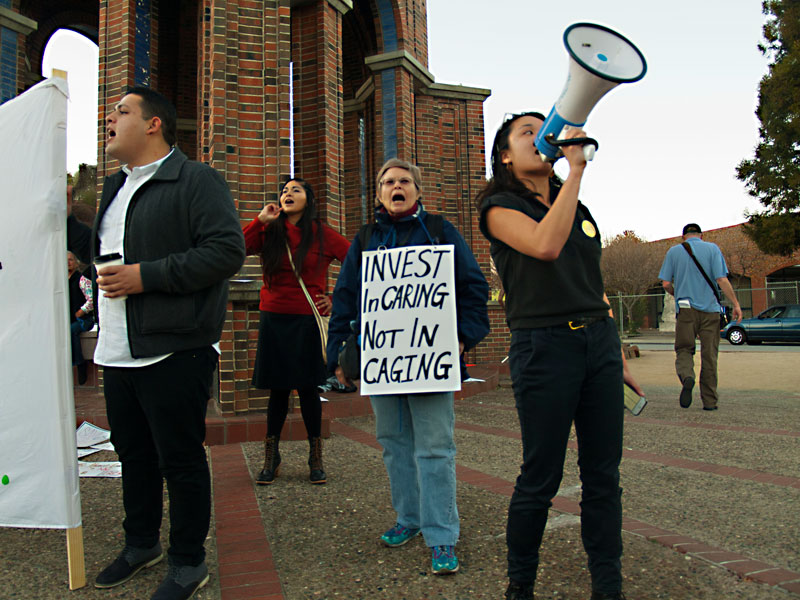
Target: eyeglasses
x,y
509,117
404,181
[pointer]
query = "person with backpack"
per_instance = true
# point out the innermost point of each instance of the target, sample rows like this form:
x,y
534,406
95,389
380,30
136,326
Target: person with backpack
x,y
415,430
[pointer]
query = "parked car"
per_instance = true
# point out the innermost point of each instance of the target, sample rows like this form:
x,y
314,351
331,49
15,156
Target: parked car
x,y
776,324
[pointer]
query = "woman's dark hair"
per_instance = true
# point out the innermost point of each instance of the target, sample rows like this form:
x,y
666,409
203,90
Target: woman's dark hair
x,y
503,180
275,236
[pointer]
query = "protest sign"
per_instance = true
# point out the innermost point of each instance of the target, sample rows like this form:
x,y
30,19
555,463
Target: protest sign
x,y
38,461
409,337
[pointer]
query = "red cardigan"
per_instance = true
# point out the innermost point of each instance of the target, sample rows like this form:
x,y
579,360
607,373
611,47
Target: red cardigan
x,y
285,295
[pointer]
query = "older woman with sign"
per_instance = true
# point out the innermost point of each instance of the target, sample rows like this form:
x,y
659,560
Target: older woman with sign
x,y
565,357
411,286
295,250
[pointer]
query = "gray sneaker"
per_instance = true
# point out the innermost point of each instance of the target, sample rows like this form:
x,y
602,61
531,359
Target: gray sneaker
x,y
181,582
129,562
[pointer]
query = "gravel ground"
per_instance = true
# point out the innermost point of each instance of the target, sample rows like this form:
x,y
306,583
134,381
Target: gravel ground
x,y
33,562
324,539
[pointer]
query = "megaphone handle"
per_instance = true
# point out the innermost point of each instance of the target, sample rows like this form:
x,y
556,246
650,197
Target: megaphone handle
x,y
590,145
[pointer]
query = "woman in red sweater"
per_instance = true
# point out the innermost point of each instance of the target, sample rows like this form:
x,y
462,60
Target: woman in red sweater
x,y
289,355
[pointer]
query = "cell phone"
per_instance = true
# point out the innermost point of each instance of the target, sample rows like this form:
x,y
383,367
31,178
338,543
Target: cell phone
x,y
633,401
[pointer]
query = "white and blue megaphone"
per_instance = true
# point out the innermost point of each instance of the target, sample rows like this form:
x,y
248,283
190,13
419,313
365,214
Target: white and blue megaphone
x,y
600,59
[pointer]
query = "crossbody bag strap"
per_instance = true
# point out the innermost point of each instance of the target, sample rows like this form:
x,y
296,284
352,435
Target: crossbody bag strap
x,y
314,308
688,248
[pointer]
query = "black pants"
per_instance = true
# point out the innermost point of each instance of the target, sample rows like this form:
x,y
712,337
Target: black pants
x,y
310,408
157,417
561,376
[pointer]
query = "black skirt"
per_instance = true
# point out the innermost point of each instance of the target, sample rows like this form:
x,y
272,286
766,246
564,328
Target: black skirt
x,y
289,354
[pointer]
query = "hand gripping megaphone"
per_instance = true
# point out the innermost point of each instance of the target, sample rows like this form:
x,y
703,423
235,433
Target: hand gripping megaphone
x,y
600,59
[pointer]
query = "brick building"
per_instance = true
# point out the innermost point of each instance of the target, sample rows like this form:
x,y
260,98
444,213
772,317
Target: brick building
x,y
347,80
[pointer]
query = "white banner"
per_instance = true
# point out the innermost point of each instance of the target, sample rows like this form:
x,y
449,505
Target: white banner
x,y
409,337
38,462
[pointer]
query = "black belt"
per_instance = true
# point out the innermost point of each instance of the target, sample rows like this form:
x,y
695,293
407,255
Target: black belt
x,y
582,322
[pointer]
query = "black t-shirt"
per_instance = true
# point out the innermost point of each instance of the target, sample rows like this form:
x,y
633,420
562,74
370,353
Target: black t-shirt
x,y
543,293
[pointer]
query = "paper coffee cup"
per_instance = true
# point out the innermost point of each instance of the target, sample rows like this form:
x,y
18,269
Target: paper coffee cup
x,y
109,260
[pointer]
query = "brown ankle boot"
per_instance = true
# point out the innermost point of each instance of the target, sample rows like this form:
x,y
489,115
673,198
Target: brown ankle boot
x,y
272,461
317,474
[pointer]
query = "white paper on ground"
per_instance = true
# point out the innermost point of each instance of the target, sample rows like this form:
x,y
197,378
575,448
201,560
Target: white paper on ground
x,y
104,446
89,434
99,469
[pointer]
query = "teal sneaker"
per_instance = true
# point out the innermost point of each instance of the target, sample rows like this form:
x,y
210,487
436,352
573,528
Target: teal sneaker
x,y
443,560
398,535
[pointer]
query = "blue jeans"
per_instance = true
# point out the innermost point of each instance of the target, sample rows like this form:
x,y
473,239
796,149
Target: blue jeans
x,y
75,329
416,432
560,376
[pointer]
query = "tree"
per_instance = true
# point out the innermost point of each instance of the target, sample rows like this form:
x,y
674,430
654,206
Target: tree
x,y
630,268
773,175
741,254
84,193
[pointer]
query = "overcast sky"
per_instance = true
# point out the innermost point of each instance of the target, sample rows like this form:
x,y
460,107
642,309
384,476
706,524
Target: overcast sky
x,y
76,54
669,144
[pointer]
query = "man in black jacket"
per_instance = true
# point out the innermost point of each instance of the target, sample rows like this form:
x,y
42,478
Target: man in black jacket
x,y
161,312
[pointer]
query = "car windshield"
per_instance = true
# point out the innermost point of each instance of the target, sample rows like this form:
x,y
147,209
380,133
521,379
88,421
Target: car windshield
x,y
772,313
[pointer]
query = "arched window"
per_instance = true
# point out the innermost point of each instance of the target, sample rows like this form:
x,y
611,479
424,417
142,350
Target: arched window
x,y
77,55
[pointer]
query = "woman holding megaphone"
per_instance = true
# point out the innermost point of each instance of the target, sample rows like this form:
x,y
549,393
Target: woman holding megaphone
x,y
565,355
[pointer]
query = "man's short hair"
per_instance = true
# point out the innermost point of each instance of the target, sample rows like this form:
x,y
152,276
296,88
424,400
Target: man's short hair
x,y
155,105
692,228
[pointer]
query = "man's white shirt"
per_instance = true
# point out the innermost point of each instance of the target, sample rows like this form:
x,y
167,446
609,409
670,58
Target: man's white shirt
x,y
113,349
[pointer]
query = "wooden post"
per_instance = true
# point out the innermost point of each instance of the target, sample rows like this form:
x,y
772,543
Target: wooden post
x,y
77,569
76,566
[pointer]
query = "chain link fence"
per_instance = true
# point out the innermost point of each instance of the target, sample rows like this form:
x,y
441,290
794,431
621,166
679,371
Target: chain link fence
x,y
644,311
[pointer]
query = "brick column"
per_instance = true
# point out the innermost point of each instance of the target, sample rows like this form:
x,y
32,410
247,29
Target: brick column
x,y
117,68
318,102
14,28
243,132
396,75
449,144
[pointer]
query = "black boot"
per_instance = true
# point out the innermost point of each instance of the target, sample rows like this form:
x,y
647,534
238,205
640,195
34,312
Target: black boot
x,y
604,596
519,591
272,461
317,474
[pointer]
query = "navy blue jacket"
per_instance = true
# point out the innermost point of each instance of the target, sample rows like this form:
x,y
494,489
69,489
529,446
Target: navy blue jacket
x,y
472,291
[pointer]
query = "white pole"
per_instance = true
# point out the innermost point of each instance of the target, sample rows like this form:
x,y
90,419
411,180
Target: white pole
x,y
291,119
